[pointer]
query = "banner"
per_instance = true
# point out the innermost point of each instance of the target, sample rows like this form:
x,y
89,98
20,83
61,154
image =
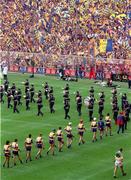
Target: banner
x,y
31,69
14,68
72,72
87,74
47,70
52,71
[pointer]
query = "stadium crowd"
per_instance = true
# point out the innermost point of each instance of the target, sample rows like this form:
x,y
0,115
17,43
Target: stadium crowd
x,y
66,27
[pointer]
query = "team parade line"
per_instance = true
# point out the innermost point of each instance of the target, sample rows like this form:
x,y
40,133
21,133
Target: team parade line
x,y
103,125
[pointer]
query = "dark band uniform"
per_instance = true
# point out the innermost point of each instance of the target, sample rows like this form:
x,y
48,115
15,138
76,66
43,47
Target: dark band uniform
x,y
79,104
15,99
13,89
51,103
39,105
1,94
26,86
9,99
46,87
6,84
32,92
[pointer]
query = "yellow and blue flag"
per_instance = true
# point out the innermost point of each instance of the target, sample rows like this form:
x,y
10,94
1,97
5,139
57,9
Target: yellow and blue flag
x,y
106,45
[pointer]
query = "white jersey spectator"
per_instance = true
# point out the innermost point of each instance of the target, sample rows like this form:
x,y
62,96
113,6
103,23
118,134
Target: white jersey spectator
x,y
5,71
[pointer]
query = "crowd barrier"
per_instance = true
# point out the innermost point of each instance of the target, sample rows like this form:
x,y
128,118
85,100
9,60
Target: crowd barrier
x,y
53,71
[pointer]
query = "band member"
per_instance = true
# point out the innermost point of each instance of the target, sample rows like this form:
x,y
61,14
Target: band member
x,y
39,94
27,99
40,146
51,91
70,136
81,130
115,110
28,147
7,154
51,103
60,139
118,163
101,107
15,151
108,124
15,99
91,91
90,108
123,100
79,105
52,142
6,85
26,83
13,89
9,97
114,100
32,93
66,98
1,94
127,112
67,109
19,94
114,91
77,95
66,89
94,129
102,96
39,106
46,87
101,127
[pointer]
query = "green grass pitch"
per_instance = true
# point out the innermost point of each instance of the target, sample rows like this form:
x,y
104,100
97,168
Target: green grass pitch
x,y
91,161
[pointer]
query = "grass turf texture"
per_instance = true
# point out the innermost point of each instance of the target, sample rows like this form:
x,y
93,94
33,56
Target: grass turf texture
x,y
86,162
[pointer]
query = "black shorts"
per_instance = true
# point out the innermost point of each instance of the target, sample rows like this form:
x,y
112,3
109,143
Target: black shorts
x,y
94,130
39,146
69,136
15,153
28,148
81,133
7,154
59,139
108,125
51,141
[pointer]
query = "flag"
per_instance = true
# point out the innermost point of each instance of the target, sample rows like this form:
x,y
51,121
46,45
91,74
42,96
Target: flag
x,y
102,46
106,45
109,46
